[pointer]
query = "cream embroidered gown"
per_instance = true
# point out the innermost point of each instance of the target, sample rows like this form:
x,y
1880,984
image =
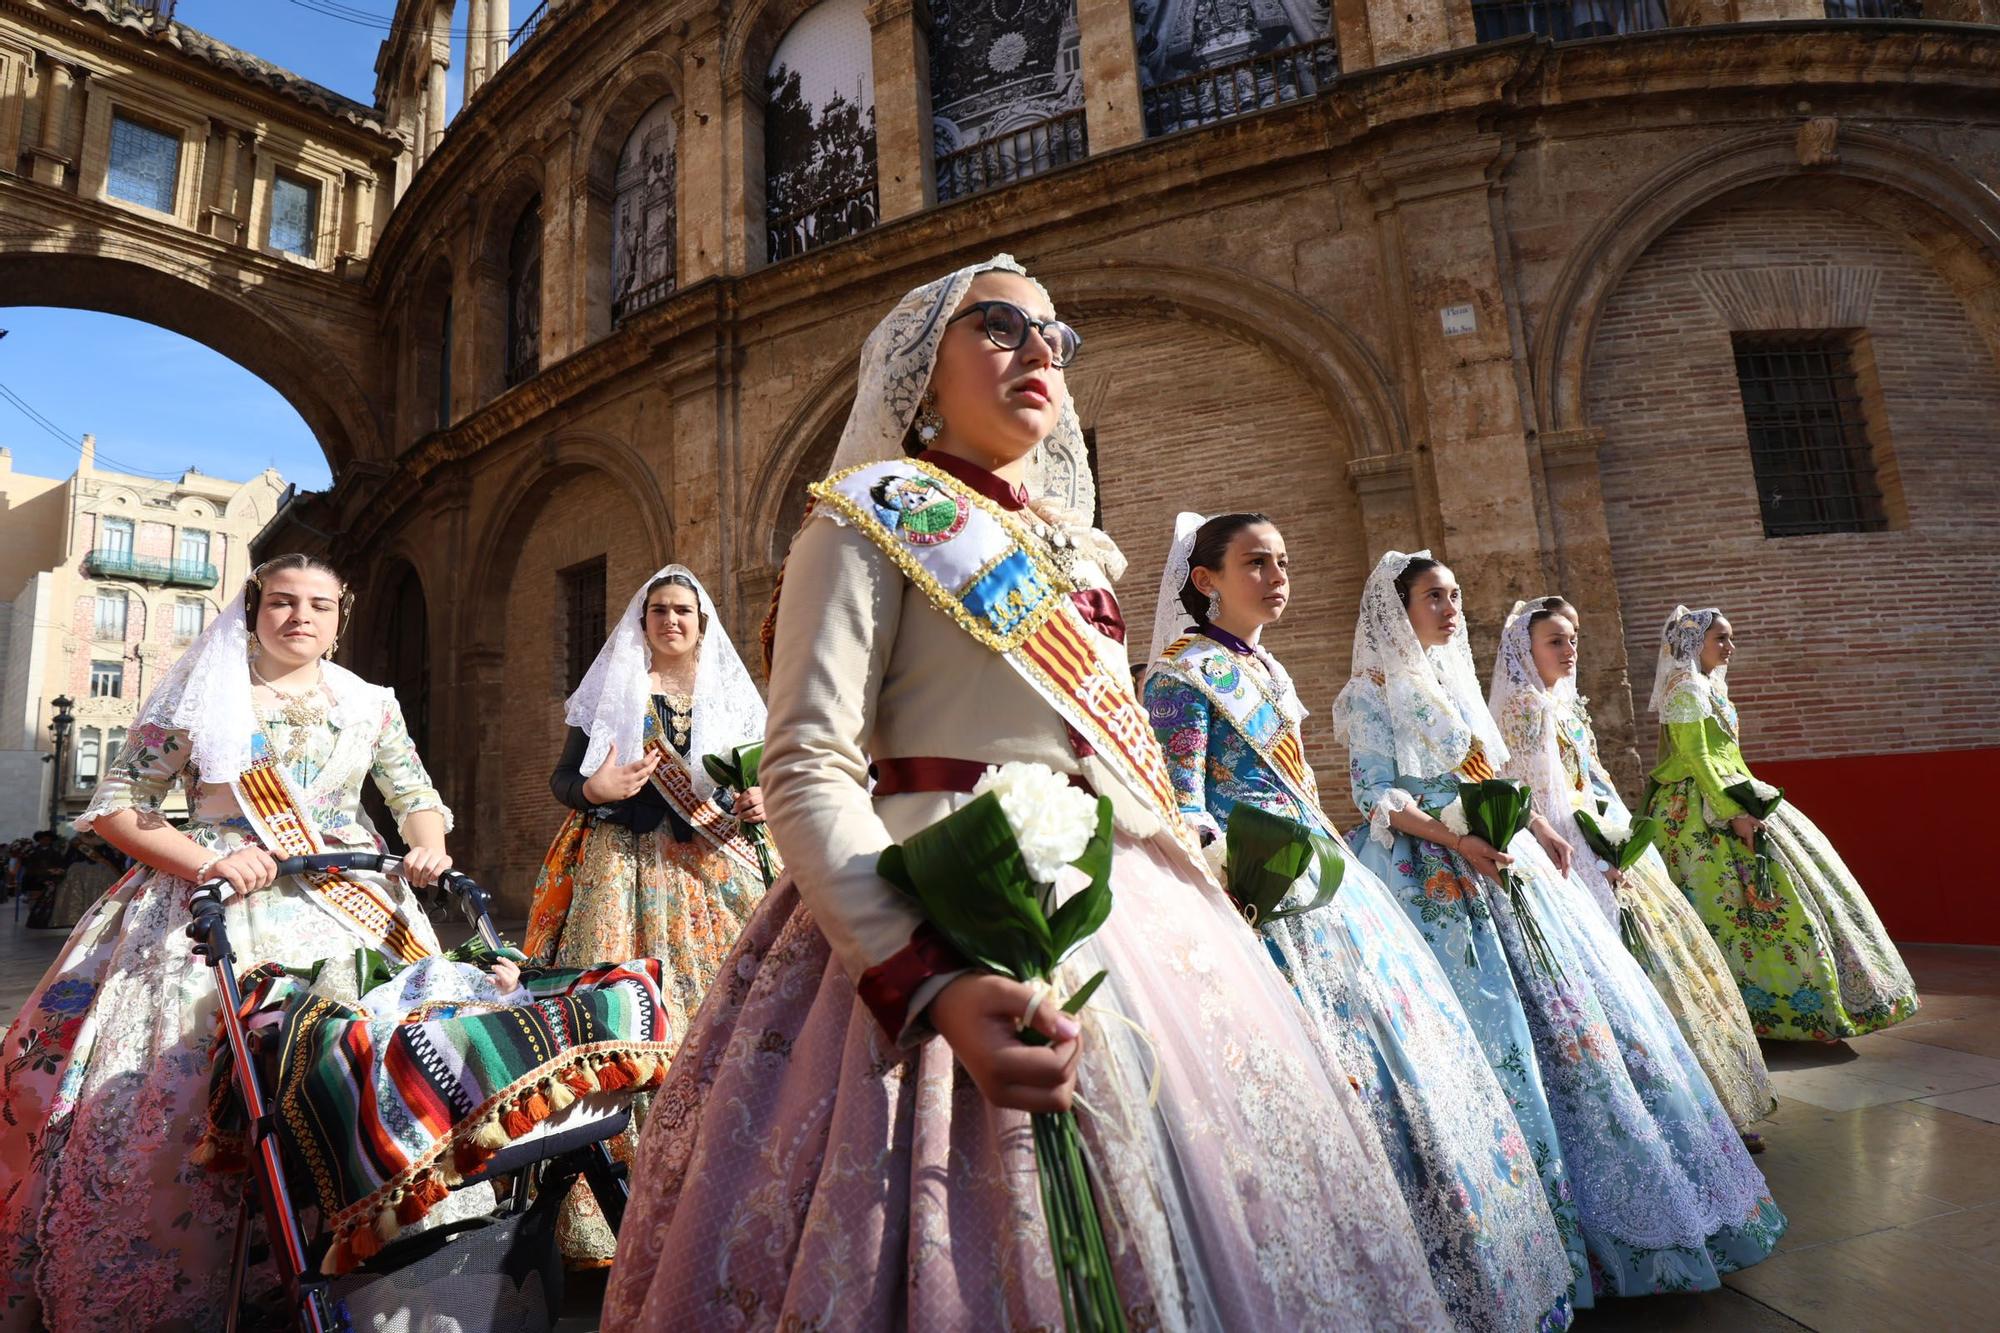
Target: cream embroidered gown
x,y
104,1075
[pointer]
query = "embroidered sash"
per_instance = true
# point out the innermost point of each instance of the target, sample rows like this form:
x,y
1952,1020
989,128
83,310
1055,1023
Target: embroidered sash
x,y
978,564
273,807
1251,710
673,780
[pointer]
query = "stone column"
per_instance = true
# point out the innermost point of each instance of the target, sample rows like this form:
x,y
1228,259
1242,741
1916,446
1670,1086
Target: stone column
x,y
1460,368
218,207
434,95
1391,509
478,46
710,213
1585,575
358,217
900,48
500,32
243,182
1114,113
51,159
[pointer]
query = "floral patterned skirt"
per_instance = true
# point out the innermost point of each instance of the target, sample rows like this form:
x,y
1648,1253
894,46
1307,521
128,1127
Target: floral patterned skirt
x,y
642,895
104,1082
1627,1130
1812,960
1375,992
801,1170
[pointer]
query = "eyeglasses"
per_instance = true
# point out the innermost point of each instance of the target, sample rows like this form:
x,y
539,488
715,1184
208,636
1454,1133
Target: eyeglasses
x,y
1007,327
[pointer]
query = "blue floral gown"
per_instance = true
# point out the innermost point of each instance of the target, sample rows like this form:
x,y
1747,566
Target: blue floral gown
x,y
1497,1255
1621,1117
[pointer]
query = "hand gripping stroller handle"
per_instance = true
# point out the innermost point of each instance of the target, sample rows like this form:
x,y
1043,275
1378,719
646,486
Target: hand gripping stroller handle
x,y
472,897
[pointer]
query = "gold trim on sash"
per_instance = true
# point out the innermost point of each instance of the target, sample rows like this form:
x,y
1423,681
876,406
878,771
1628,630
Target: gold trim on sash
x,y
672,780
274,810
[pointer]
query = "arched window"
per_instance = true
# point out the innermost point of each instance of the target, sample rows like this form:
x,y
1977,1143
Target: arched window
x,y
1006,91
524,295
89,756
642,214
819,132
444,365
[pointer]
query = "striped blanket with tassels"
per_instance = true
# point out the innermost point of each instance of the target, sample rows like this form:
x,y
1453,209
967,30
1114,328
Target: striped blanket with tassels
x,y
378,1118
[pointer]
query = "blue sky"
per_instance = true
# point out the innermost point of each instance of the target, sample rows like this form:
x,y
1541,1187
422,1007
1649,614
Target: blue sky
x,y
155,400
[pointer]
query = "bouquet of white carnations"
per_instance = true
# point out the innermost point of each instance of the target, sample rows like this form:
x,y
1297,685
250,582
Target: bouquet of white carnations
x,y
1014,881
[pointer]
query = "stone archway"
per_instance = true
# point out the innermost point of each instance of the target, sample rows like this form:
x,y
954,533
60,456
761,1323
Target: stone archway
x,y
309,338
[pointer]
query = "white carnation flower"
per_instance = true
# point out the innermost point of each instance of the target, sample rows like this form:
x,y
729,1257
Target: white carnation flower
x,y
1052,821
1453,818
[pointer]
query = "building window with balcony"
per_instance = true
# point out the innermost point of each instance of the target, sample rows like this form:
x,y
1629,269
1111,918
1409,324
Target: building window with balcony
x,y
145,164
819,132
294,215
115,537
1809,442
642,215
1006,91
89,756
1201,61
190,614
107,680
109,621
583,619
194,547
524,295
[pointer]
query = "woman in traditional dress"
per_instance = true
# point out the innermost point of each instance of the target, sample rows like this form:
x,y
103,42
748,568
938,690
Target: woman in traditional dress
x,y
655,860
1599,1075
1229,720
1807,950
104,1077
93,868
840,1141
1552,748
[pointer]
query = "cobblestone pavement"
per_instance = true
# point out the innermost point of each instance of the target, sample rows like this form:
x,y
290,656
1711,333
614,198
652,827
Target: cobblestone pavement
x,y
1884,1152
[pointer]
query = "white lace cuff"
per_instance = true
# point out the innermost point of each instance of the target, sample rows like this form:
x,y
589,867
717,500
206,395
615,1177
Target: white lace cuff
x,y
1393,800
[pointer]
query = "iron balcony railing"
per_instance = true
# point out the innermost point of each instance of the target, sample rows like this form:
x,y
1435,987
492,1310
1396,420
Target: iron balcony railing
x,y
1014,156
642,298
529,26
1566,20
121,564
1244,86
823,222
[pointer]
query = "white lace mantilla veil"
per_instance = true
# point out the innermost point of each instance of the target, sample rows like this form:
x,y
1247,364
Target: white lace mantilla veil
x,y
1680,658
896,365
1517,684
207,694
1170,618
610,705
1436,709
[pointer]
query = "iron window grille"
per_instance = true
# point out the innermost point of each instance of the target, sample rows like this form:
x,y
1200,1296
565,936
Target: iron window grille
x,y
145,164
583,619
1809,445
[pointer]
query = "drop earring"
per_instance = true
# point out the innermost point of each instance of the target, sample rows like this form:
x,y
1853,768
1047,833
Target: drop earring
x,y
929,424
1214,606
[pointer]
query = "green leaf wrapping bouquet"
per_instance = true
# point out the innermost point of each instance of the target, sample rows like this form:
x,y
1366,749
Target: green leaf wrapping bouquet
x,y
1268,854
736,769
1760,800
1496,810
1619,847
1015,880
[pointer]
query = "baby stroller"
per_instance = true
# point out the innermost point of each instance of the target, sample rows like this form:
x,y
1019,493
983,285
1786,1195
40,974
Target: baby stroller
x,y
502,1272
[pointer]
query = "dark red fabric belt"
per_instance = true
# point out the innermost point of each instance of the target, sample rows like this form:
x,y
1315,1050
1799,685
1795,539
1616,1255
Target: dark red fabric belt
x,y
894,777
1100,608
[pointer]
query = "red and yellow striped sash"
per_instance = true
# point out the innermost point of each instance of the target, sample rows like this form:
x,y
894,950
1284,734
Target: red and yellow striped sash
x,y
1475,767
1059,652
275,810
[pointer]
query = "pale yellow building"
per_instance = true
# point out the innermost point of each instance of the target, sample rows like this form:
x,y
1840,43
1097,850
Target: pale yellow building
x,y
107,577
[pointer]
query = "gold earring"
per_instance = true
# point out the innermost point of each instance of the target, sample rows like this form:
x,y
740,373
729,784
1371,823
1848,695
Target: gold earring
x,y
256,647
929,424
